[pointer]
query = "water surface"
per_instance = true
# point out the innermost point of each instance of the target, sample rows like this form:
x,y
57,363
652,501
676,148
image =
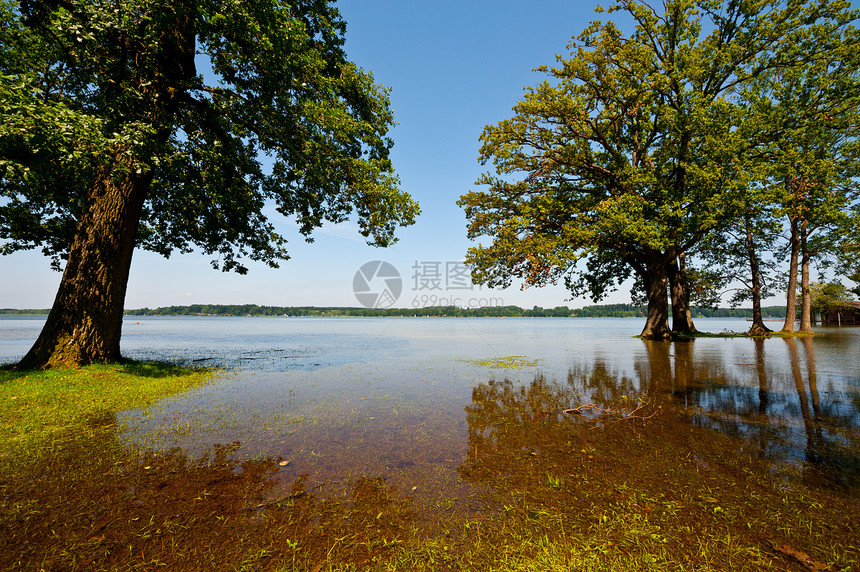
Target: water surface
x,y
391,397
461,441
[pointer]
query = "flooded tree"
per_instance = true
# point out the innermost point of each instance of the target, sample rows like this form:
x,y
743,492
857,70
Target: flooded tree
x,y
811,164
143,125
629,153
736,254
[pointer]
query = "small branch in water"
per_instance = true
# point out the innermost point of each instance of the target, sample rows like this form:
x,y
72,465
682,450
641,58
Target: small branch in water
x,y
290,496
801,557
613,415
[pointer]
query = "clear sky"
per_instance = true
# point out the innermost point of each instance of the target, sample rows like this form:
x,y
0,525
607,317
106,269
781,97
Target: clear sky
x,y
454,66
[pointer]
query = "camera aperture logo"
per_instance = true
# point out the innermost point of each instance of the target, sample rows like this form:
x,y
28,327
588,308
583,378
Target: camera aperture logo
x,y
377,284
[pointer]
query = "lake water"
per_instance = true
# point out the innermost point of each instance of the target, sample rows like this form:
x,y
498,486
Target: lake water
x,y
408,399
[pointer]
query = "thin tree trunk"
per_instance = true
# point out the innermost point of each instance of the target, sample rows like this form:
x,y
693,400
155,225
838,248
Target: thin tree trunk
x,y
758,328
656,284
85,322
676,295
805,293
688,314
791,293
682,320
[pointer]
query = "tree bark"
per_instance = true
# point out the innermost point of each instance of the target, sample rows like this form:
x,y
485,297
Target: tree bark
x,y
791,293
656,284
805,293
85,322
682,319
688,314
758,328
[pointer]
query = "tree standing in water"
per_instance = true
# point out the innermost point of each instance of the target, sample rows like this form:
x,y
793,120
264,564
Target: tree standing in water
x,y
626,157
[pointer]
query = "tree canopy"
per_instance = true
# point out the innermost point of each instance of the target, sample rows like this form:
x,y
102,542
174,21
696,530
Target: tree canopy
x,y
180,125
813,164
267,108
632,151
828,298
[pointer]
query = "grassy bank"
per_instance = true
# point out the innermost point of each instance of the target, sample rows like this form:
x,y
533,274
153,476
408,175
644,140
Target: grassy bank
x,y
550,493
39,409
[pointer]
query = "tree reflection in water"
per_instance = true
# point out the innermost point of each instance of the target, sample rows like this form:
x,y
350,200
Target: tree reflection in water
x,y
742,458
785,417
767,463
782,420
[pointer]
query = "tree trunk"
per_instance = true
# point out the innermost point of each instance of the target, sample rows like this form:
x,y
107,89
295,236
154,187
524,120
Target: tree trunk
x,y
656,284
688,314
85,322
682,319
791,293
758,328
805,293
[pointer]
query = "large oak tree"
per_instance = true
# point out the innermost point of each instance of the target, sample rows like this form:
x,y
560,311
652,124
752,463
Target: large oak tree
x,y
628,155
172,126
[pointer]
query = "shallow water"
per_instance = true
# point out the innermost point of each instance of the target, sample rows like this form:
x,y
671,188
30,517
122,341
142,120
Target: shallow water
x,y
484,435
339,397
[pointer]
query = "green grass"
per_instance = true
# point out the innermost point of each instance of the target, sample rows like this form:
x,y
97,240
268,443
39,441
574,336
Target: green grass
x,y
771,334
505,362
37,408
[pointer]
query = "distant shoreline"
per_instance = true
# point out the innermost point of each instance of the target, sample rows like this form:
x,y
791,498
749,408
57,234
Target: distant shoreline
x,y
597,311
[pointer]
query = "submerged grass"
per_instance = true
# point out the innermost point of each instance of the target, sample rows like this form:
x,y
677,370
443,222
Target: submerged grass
x,y
730,334
40,408
553,493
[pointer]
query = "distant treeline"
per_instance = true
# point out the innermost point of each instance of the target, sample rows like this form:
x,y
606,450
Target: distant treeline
x,y
600,311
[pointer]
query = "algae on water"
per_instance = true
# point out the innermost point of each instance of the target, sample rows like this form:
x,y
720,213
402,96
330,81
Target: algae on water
x,y
508,362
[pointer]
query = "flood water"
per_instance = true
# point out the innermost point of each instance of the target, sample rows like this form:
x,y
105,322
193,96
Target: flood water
x,y
406,399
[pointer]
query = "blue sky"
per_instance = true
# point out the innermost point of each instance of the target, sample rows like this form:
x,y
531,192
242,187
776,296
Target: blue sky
x,y
453,67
